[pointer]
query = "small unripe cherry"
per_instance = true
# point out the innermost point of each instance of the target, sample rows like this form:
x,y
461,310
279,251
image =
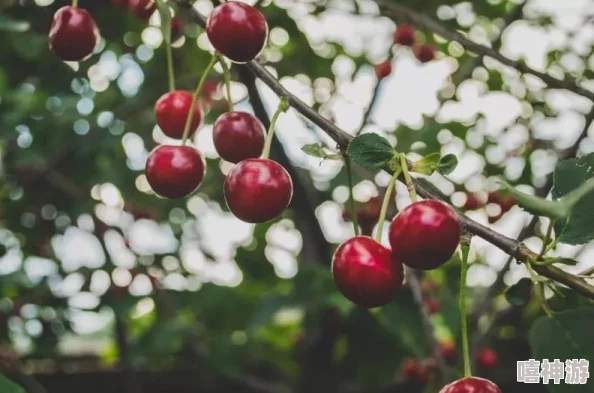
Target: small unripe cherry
x,y
424,52
382,70
471,385
487,358
366,272
425,234
404,35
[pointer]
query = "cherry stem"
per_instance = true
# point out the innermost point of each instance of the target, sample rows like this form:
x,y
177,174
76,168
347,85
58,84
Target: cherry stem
x,y
347,164
190,117
74,3
384,211
227,76
409,183
463,310
283,106
166,28
547,239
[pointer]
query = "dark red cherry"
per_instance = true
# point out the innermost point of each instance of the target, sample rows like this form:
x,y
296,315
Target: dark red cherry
x,y
143,9
471,385
448,351
366,272
473,202
238,136
171,112
404,35
258,190
487,358
412,370
424,52
382,70
175,171
237,30
120,3
73,35
177,28
432,305
425,234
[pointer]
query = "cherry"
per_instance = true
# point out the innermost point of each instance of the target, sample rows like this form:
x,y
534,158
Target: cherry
x,y
404,35
425,234
73,35
143,9
432,305
382,70
424,52
473,202
412,370
175,171
448,351
506,202
258,190
367,214
237,30
238,136
487,358
471,385
171,111
366,272
176,28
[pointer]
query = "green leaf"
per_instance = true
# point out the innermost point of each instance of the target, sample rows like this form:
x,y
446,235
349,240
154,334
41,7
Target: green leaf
x,y
371,151
266,311
536,205
569,175
7,386
9,24
566,335
316,150
519,293
447,164
427,165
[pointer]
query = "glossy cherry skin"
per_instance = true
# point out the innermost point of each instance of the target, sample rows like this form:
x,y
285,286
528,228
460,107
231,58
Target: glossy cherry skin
x,y
404,35
424,52
238,136
175,171
258,190
366,272
471,385
487,358
143,9
237,30
73,35
425,234
382,70
171,112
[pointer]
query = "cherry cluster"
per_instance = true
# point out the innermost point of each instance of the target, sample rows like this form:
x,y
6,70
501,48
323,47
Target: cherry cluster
x,y
405,36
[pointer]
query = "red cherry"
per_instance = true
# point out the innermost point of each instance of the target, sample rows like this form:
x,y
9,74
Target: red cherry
x,y
507,202
143,9
238,136
412,370
472,202
258,190
425,235
494,197
120,3
73,35
471,385
382,70
366,272
487,358
404,35
171,111
177,27
448,351
432,305
237,30
424,52
175,171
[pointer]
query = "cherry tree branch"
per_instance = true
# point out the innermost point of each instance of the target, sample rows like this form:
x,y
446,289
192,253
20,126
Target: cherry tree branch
x,y
396,11
511,246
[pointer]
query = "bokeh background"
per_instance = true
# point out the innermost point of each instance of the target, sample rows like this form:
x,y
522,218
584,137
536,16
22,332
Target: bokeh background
x,y
105,285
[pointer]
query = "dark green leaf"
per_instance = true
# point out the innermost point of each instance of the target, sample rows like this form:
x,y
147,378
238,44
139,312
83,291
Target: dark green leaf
x,y
447,164
427,165
13,25
536,205
266,311
316,150
566,335
519,293
7,386
569,175
371,151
